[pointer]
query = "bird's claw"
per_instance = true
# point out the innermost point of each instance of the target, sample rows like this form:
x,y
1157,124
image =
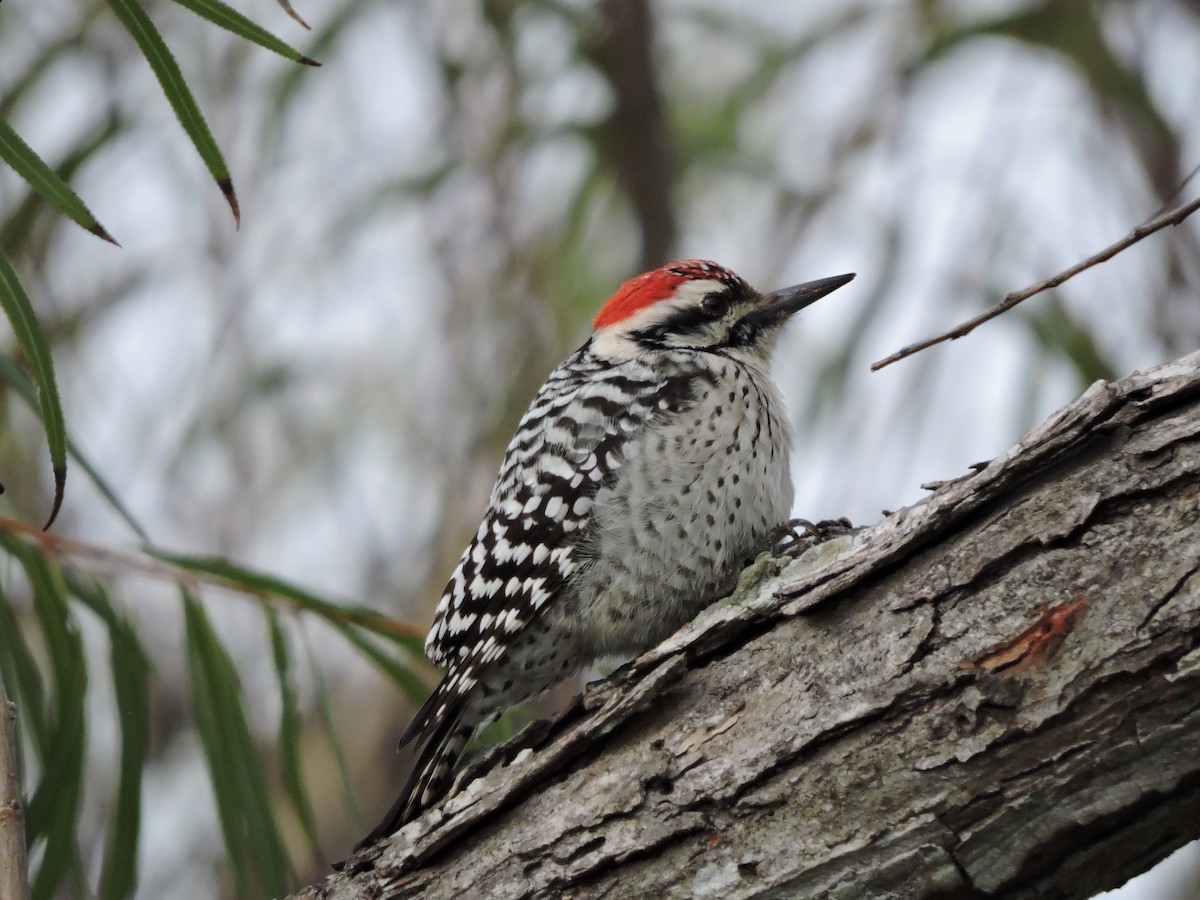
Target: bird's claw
x,y
797,535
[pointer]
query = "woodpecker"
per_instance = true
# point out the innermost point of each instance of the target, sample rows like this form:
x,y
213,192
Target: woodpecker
x,y
651,465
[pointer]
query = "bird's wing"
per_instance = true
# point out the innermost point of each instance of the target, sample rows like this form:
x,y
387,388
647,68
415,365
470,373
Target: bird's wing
x,y
569,444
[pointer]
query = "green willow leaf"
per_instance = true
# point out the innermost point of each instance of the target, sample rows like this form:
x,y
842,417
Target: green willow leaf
x,y
54,807
289,732
16,378
407,636
131,687
251,834
33,343
166,70
231,20
206,696
20,672
43,179
19,222
413,687
325,714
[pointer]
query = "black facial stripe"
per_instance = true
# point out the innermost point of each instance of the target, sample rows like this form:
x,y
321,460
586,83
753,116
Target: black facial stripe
x,y
652,337
688,322
741,335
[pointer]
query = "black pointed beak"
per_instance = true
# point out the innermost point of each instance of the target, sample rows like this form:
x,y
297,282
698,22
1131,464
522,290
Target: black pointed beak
x,y
780,304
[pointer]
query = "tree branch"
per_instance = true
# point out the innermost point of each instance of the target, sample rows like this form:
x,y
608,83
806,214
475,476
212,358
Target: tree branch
x,y
636,136
994,692
14,871
1172,217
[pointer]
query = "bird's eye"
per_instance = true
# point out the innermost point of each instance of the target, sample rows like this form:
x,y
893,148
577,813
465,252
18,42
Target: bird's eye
x,y
716,305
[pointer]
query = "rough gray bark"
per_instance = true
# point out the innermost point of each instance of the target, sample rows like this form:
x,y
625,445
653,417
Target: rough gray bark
x,y
994,692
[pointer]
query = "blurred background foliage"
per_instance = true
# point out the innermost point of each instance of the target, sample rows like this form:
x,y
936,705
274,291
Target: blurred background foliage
x,y
428,222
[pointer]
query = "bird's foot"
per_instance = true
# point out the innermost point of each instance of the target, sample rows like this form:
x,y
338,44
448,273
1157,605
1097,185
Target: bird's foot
x,y
795,536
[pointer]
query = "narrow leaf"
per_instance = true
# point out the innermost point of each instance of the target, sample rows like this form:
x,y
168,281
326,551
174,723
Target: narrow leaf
x,y
10,372
166,69
18,222
408,636
20,672
33,343
43,179
239,781
131,684
231,20
325,712
131,687
413,687
289,732
205,697
54,807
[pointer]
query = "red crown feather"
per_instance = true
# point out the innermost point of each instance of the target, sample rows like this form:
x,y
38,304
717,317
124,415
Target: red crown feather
x,y
650,287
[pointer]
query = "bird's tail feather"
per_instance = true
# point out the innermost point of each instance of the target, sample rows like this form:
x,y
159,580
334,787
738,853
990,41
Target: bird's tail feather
x,y
432,771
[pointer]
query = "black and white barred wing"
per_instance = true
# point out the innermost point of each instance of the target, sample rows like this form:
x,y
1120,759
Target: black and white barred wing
x,y
568,445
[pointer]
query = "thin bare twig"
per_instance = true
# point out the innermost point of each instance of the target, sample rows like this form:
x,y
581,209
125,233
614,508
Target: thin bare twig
x,y
14,869
1173,217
